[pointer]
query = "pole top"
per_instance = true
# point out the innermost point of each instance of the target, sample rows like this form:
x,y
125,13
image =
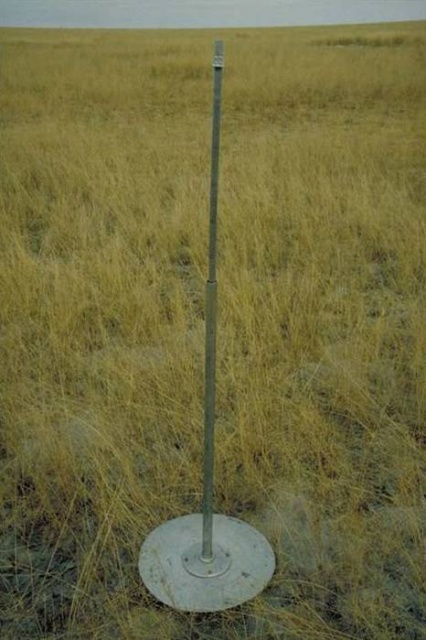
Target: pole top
x,y
218,60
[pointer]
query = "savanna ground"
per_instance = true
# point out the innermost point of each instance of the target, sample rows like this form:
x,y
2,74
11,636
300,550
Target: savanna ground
x,y
105,160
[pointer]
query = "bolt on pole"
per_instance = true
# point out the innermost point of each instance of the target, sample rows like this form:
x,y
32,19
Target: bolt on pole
x,y
211,289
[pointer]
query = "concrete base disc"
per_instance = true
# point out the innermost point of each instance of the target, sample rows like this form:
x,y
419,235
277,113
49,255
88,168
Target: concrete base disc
x,y
172,570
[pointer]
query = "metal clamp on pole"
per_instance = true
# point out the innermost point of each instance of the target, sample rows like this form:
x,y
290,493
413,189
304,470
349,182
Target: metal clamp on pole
x,y
218,60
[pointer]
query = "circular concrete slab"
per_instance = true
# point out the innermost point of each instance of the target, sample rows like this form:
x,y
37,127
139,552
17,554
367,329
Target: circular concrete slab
x,y
242,567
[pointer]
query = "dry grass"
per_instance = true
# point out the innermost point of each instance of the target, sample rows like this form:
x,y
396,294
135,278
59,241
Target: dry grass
x,y
322,378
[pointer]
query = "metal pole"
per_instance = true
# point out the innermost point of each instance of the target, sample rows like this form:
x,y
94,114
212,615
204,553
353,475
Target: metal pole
x,y
211,289
241,562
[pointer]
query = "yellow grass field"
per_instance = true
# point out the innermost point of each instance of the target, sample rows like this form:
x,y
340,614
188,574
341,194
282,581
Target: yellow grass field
x,y
321,384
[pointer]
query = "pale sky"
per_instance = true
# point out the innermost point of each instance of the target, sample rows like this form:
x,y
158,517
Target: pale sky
x,y
204,13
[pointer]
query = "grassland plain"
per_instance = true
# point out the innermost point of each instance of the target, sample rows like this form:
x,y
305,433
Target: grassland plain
x,y
104,183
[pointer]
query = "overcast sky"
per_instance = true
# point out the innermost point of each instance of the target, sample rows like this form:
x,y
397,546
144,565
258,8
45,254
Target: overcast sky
x,y
204,13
